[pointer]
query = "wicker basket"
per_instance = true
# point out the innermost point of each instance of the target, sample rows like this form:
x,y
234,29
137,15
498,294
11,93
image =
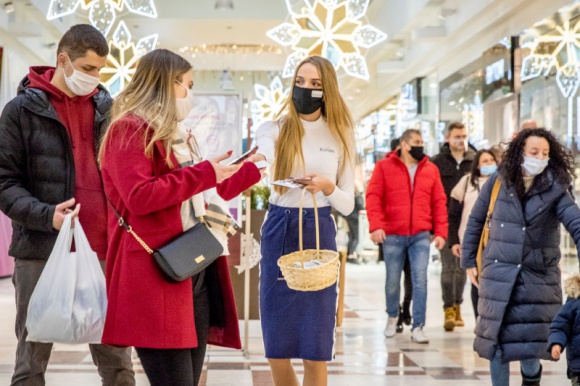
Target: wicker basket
x,y
311,279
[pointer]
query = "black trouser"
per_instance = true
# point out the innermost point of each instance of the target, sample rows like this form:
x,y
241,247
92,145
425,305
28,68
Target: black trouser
x,y
408,284
352,234
474,299
180,367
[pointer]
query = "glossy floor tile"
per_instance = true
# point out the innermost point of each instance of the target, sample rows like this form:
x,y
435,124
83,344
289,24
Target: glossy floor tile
x,y
363,355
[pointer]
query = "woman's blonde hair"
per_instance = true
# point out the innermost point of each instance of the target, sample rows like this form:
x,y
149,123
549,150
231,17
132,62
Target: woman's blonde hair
x,y
334,110
151,95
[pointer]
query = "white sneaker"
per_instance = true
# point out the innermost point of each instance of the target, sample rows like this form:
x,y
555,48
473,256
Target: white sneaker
x,y
418,336
391,329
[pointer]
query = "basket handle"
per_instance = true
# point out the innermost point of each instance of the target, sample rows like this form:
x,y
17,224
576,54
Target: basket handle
x,y
315,221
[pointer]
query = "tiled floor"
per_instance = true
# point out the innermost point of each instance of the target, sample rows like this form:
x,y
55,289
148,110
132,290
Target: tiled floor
x,y
363,355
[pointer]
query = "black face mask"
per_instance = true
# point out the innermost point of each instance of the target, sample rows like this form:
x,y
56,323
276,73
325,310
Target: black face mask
x,y
417,152
306,100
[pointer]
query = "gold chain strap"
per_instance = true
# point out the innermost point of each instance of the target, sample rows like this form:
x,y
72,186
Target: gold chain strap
x,y
139,240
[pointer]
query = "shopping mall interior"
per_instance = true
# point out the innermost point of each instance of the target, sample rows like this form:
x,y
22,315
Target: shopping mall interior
x,y
401,64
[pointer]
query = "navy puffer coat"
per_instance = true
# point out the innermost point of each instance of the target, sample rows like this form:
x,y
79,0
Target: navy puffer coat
x,y
520,286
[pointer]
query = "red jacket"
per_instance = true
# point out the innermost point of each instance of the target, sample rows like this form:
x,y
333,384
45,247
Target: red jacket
x,y
393,207
145,309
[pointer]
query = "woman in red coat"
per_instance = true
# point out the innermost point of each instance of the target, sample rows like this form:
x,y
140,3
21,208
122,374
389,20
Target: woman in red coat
x,y
169,323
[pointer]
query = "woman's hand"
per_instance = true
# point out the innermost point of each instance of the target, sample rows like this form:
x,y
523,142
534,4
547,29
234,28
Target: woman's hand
x,y
473,276
256,158
223,172
317,184
456,250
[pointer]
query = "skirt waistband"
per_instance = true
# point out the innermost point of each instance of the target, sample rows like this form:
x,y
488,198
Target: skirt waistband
x,y
307,212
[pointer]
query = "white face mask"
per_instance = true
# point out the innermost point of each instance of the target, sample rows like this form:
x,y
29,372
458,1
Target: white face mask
x,y
534,166
184,105
80,83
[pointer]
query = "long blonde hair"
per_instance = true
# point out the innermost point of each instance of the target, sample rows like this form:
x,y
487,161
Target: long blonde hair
x,y
151,95
334,110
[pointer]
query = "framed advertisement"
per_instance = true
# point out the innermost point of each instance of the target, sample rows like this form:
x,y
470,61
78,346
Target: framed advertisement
x,y
216,122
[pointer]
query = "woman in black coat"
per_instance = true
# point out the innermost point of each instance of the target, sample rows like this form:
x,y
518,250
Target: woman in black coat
x,y
520,283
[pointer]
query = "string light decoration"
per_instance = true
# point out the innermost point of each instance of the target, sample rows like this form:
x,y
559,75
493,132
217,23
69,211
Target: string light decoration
x,y
226,49
559,51
329,28
123,57
102,13
268,101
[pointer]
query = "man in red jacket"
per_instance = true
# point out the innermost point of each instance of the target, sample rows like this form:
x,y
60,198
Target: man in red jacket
x,y
406,208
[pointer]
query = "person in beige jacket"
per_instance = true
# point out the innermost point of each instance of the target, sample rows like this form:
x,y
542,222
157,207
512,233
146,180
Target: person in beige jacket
x,y
463,197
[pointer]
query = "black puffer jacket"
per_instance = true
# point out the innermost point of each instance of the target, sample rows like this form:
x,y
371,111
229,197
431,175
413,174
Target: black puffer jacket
x,y
520,290
451,172
37,167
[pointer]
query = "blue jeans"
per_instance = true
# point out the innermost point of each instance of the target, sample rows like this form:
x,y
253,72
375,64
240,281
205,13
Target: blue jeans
x,y
500,372
395,249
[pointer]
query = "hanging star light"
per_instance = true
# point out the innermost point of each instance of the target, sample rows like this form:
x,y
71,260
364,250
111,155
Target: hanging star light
x,y
329,28
102,13
564,58
268,101
123,57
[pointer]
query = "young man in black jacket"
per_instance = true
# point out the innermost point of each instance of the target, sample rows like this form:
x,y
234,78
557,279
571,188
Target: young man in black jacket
x,y
49,139
454,161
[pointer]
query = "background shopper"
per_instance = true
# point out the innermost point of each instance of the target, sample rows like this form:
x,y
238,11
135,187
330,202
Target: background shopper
x,y
463,197
405,204
454,161
520,286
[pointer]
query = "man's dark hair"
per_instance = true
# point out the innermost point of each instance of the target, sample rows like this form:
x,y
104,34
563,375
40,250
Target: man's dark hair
x,y
80,39
408,134
394,143
455,125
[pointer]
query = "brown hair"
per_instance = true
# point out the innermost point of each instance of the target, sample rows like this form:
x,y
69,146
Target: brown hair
x,y
455,125
80,39
408,134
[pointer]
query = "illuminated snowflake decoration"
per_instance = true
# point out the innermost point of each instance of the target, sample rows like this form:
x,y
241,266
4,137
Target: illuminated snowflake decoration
x,y
123,57
564,58
329,28
473,119
268,101
102,13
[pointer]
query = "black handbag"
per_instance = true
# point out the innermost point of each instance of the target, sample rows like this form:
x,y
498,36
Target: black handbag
x,y
186,255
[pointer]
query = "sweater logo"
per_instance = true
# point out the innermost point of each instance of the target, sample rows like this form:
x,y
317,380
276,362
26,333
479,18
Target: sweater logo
x,y
327,150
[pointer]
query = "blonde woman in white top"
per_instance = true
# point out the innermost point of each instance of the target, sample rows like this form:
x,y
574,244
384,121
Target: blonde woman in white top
x,y
314,139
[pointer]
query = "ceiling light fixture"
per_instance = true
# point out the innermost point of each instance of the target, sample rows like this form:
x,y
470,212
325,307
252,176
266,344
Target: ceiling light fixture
x,y
329,28
9,7
224,4
102,13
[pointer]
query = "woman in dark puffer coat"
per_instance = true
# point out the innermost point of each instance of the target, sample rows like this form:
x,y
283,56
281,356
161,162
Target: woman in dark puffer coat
x,y
520,283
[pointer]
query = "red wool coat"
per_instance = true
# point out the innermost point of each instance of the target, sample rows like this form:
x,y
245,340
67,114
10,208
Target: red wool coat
x,y
397,209
145,309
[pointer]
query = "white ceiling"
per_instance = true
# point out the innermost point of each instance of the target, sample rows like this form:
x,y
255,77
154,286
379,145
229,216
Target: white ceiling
x,y
472,26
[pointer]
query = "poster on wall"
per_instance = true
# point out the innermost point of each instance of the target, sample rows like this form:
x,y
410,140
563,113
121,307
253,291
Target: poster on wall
x,y
216,122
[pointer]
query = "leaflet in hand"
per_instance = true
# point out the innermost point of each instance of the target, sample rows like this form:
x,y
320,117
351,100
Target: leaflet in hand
x,y
291,182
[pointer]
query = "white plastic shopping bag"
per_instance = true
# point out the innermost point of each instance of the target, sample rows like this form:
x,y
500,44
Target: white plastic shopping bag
x,y
69,303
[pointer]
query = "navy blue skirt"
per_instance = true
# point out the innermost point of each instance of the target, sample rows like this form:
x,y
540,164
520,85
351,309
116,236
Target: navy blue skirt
x,y
295,324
